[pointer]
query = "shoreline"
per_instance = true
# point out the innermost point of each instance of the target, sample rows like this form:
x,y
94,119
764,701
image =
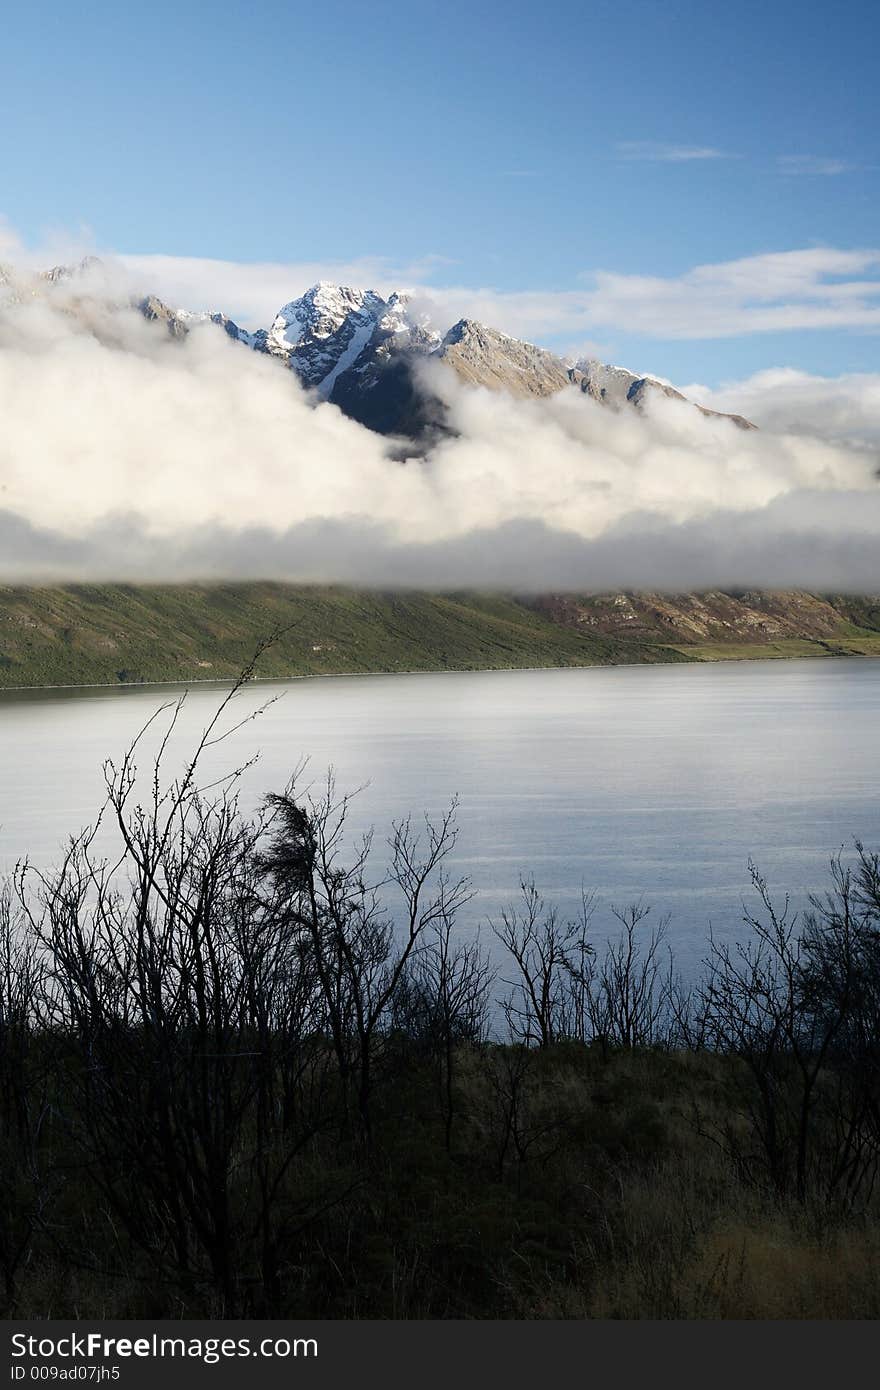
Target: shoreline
x,y
445,671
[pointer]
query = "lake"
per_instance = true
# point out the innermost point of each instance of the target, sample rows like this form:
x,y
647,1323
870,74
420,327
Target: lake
x,y
654,782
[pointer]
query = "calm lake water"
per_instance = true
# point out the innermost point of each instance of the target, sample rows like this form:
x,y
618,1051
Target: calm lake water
x,y
653,782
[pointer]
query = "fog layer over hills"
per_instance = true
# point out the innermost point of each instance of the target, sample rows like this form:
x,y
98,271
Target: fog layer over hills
x,y
141,442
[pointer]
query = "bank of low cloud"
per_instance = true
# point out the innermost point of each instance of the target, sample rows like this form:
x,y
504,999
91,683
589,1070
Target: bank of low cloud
x,y
125,454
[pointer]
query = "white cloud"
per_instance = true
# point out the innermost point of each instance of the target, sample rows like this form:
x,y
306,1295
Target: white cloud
x,y
55,247
812,288
816,288
843,409
786,291
253,292
126,454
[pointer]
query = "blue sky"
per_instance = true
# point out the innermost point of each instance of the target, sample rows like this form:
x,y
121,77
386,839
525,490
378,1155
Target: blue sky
x,y
518,150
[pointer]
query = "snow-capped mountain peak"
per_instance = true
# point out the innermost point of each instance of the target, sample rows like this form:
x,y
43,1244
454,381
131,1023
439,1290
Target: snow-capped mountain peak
x,y
358,349
320,313
395,317
332,329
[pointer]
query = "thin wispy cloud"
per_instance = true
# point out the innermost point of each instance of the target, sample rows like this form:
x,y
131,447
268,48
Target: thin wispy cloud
x,y
659,153
822,165
788,291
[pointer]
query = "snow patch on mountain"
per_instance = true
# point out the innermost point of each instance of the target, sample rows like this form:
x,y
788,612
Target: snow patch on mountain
x,y
347,358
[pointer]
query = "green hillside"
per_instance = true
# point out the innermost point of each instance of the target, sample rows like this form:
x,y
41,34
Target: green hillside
x,y
79,635
122,633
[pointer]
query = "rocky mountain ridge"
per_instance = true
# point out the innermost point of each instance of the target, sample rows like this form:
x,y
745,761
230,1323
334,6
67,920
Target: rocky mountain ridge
x,y
358,350
721,617
361,351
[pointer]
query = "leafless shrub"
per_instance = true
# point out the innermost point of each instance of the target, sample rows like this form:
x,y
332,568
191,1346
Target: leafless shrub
x,y
442,1005
554,968
358,949
628,999
25,1155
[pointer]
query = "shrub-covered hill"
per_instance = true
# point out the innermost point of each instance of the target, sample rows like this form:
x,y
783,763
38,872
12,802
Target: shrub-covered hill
x,y
117,633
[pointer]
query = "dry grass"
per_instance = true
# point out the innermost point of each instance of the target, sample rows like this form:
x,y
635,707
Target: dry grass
x,y
778,1273
785,648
